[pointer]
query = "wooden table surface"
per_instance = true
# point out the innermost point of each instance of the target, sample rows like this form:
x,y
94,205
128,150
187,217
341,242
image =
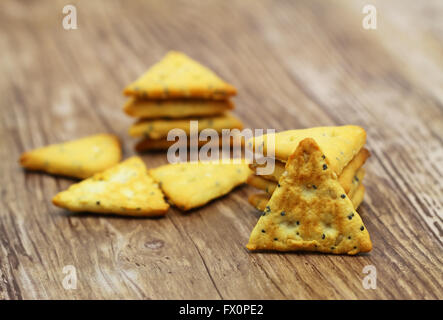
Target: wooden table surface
x,y
296,64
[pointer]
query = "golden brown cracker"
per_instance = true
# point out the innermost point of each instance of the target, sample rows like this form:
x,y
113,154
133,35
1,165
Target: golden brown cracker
x,y
310,210
125,189
259,200
358,196
356,181
350,171
345,178
262,184
340,144
193,184
176,108
157,129
79,158
178,76
279,168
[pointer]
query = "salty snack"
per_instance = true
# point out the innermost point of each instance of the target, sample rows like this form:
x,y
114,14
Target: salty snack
x,y
356,181
309,210
260,200
157,129
279,168
339,144
176,108
193,184
262,184
358,196
177,76
350,173
79,158
346,178
125,189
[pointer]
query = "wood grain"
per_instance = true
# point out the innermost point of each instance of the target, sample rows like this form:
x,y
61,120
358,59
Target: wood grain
x,y
296,64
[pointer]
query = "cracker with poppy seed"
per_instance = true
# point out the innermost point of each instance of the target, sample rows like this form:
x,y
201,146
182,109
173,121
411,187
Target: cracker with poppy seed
x,y
279,168
339,144
125,189
358,196
260,200
178,76
350,182
193,184
176,108
79,158
159,128
262,184
304,218
356,181
346,178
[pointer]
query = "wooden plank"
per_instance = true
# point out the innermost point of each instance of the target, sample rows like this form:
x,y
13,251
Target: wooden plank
x,y
295,64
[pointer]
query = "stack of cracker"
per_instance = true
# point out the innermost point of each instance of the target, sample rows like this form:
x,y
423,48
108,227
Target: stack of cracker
x,y
309,209
173,92
343,147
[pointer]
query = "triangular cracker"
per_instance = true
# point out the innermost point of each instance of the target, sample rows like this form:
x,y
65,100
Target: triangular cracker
x,y
178,76
310,211
339,144
79,158
125,189
193,184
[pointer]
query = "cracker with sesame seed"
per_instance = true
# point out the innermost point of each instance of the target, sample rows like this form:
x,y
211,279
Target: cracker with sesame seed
x,y
193,184
260,200
279,168
79,158
125,189
356,181
351,171
262,184
301,217
178,76
159,128
175,108
339,144
346,178
358,196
